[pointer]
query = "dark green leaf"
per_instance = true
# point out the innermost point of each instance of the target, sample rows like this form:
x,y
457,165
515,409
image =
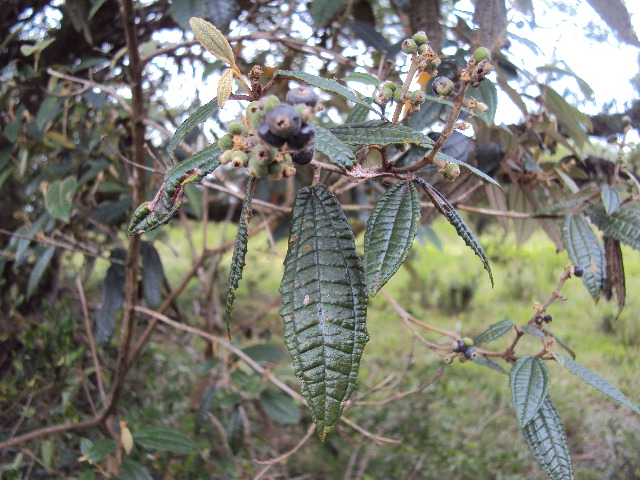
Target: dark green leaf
x,y
362,77
587,91
95,7
200,115
547,440
165,438
599,383
152,275
323,10
561,343
585,249
205,405
38,270
391,228
326,84
101,449
463,230
280,407
235,430
130,470
623,225
574,122
218,12
112,297
49,109
324,304
487,362
487,94
610,199
334,149
494,332
58,200
239,253
379,132
357,114
265,353
533,331
529,382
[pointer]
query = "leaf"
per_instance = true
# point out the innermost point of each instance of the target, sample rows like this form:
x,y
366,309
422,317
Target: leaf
x,y
616,15
529,382
494,332
391,229
623,225
219,12
165,438
587,91
112,297
239,253
59,198
95,7
370,36
280,407
225,86
334,149
518,202
357,114
568,116
584,249
326,84
531,330
28,50
323,10
597,382
614,281
152,275
448,158
561,343
213,40
200,115
362,77
39,268
235,430
463,230
101,449
487,94
610,199
324,304
265,353
380,132
130,470
547,441
487,362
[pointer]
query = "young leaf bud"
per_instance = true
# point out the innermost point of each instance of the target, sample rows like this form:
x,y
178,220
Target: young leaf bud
x,y
283,121
225,142
480,54
302,95
420,38
409,46
442,86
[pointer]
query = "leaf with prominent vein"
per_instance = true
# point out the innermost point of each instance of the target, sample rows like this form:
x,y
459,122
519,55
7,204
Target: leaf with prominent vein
x,y
326,84
200,115
225,86
623,225
334,149
358,114
380,132
487,362
597,382
531,330
391,228
610,199
213,40
463,230
494,332
529,382
239,253
585,249
324,304
547,441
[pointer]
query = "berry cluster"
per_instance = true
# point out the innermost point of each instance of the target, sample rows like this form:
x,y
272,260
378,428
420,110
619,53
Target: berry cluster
x,y
538,319
273,135
482,67
465,347
390,92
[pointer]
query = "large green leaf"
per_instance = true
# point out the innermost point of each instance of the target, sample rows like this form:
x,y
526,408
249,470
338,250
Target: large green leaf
x,y
597,382
610,199
280,407
152,275
623,225
58,200
487,362
391,228
358,114
487,94
323,10
165,438
130,470
326,84
547,440
334,149
200,115
494,332
324,304
463,230
112,297
586,250
41,265
380,132
529,382
239,253
574,122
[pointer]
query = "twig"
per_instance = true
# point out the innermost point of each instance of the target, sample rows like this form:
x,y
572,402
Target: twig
x,y
284,456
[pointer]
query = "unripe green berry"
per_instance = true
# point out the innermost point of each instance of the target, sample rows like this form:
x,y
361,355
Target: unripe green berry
x,y
480,54
275,168
418,97
450,172
448,360
268,102
239,159
422,49
389,85
442,86
261,154
409,46
420,37
468,342
481,107
252,108
626,120
235,129
255,118
257,169
225,142
386,95
225,157
397,95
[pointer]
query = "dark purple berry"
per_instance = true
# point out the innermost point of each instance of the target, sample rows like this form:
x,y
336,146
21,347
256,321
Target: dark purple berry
x,y
538,320
303,157
459,346
302,139
268,136
470,353
283,121
303,95
547,318
578,271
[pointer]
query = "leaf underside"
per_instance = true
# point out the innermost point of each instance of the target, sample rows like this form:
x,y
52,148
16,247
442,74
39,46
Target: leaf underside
x,y
324,304
547,440
623,224
584,249
391,229
334,149
380,132
200,115
239,253
494,332
452,216
529,382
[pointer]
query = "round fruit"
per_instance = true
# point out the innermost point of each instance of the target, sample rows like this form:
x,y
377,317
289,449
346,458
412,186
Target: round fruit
x,y
442,86
467,342
420,38
451,172
578,271
480,54
225,142
303,138
547,318
418,97
257,169
236,129
268,136
239,159
267,103
283,121
409,46
538,320
389,85
262,154
470,353
459,346
303,95
303,157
